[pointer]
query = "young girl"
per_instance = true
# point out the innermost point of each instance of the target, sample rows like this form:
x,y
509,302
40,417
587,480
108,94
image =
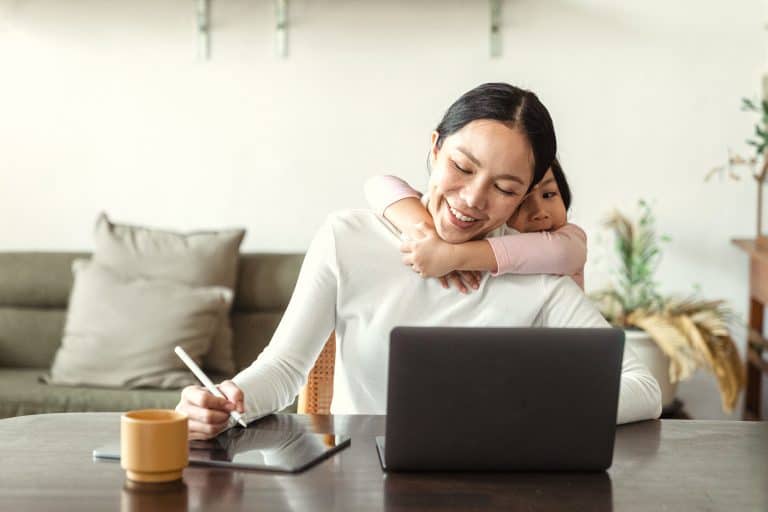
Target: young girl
x,y
546,242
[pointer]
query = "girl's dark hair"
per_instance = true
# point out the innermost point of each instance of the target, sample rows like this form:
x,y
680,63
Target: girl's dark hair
x,y
515,107
562,183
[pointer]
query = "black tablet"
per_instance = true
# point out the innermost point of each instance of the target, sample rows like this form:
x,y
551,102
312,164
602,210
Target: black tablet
x,y
252,448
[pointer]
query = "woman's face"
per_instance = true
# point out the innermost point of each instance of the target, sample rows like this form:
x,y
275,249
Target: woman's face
x,y
479,177
542,210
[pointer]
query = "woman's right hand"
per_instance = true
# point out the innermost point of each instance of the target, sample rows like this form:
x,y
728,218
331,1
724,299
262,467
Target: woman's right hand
x,y
209,414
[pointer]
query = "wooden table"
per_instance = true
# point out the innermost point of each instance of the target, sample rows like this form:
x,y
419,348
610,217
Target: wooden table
x,y
755,399
46,465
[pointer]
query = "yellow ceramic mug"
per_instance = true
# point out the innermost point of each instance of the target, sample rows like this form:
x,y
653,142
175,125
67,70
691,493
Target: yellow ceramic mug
x,y
153,445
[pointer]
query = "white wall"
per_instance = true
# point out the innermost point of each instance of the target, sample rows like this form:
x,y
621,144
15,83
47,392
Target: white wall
x,y
104,106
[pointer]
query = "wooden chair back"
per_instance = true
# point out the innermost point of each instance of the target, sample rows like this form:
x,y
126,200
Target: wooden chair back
x,y
315,397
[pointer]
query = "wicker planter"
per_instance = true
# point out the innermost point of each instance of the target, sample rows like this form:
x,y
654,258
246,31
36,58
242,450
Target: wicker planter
x,y
657,362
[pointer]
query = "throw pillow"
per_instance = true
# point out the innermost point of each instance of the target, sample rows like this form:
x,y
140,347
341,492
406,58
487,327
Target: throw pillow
x,y
202,258
120,332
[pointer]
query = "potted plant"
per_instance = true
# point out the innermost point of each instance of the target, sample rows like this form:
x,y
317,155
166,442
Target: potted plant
x,y
673,337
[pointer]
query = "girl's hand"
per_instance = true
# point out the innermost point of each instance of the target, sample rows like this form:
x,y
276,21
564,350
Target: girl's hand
x,y
462,279
429,255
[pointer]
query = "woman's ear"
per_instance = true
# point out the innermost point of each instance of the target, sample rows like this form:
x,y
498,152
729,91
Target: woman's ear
x,y
434,149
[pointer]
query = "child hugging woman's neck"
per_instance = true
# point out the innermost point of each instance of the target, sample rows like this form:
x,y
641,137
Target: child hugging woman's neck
x,y
545,243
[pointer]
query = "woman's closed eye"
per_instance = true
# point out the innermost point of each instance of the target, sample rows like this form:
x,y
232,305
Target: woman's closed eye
x,y
503,189
461,169
506,192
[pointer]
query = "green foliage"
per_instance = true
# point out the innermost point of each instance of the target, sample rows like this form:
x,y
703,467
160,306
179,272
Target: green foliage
x,y
760,142
638,250
691,332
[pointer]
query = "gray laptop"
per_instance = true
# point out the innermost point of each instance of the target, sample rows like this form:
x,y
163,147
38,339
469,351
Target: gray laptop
x,y
501,399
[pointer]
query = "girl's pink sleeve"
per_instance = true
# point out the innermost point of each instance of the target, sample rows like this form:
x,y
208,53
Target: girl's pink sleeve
x,y
382,191
562,252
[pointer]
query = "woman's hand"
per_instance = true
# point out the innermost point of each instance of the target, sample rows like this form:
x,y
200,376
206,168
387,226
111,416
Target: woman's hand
x,y
428,255
209,414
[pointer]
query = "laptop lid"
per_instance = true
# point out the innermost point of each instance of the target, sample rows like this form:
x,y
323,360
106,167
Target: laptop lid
x,y
502,398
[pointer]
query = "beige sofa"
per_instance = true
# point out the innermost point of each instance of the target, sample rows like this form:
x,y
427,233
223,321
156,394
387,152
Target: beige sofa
x,y
34,289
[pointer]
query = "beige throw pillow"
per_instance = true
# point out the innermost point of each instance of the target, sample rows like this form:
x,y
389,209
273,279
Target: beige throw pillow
x,y
202,258
120,332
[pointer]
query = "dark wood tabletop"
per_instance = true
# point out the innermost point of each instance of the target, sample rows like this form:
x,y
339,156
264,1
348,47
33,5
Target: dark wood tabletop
x,y
46,464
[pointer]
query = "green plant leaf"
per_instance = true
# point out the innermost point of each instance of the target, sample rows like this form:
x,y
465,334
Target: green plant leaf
x,y
637,248
747,104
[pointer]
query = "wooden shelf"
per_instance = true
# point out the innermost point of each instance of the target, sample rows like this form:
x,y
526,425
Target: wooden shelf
x,y
757,367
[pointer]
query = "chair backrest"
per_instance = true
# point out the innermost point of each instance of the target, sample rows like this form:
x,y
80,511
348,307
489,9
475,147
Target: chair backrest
x,y
316,396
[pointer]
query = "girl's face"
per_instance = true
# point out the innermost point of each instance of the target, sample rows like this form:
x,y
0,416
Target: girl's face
x,y
479,177
542,210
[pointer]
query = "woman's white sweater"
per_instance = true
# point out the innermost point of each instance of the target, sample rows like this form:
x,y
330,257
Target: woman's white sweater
x,y
353,281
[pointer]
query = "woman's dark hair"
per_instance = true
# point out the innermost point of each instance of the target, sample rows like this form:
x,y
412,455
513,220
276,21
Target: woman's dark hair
x,y
562,183
515,107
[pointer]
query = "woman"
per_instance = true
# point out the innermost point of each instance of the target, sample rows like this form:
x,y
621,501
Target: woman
x,y
493,144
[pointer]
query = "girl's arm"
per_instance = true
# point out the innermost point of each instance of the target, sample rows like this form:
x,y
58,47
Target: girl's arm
x,y
400,204
432,256
563,251
408,213
397,202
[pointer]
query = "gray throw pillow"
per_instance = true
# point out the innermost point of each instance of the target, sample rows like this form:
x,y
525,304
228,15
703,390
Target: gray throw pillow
x,y
120,332
200,258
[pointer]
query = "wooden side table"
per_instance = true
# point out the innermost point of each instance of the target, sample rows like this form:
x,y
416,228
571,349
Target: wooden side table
x,y
757,367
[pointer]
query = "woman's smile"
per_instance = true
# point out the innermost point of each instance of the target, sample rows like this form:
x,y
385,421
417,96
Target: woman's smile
x,y
459,218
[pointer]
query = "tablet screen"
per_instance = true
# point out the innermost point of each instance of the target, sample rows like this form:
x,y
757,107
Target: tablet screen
x,y
266,449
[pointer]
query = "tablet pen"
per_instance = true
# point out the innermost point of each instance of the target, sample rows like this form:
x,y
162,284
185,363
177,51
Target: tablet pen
x,y
203,378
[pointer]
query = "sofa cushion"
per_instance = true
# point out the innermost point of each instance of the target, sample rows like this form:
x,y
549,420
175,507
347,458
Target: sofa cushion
x,y
36,279
21,392
253,332
201,258
265,281
120,332
20,325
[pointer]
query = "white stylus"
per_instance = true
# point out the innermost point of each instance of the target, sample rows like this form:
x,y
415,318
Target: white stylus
x,y
203,378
